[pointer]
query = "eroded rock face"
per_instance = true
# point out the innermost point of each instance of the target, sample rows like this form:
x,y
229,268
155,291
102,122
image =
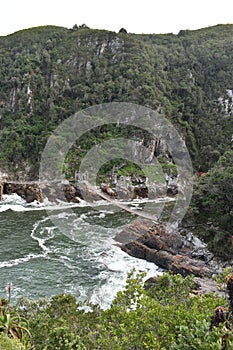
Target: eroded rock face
x,y
70,193
62,192
52,191
139,192
29,192
107,189
88,193
167,248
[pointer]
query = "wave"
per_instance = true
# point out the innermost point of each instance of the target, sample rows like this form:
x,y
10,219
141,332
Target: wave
x,y
44,234
18,204
118,266
17,261
15,207
83,259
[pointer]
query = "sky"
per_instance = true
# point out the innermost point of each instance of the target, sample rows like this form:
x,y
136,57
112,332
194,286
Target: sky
x,y
136,16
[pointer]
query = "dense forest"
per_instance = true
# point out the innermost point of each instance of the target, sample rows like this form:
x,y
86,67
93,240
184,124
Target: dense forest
x,y
49,73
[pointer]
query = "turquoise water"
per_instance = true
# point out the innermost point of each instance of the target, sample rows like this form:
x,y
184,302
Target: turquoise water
x,y
52,249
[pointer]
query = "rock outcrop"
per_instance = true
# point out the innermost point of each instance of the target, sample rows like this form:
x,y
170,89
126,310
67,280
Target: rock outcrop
x,y
61,191
88,193
70,193
107,189
168,248
138,187
30,192
83,190
52,191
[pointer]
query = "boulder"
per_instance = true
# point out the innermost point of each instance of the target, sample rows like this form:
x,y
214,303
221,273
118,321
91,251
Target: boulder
x,y
70,193
52,192
107,189
172,190
61,191
151,282
140,192
137,187
30,192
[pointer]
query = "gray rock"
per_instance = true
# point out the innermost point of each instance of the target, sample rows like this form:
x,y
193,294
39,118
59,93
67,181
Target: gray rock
x,y
167,248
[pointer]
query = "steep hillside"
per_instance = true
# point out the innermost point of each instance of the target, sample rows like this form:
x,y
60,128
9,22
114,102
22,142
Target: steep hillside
x,y
48,73
211,211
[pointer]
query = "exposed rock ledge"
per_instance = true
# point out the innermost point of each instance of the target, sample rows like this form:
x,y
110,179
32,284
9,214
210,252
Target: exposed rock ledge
x,y
169,248
36,191
30,192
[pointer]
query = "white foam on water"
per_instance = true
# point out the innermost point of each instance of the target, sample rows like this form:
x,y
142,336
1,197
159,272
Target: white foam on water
x,y
40,237
118,266
25,259
98,250
93,249
16,203
13,199
5,208
12,202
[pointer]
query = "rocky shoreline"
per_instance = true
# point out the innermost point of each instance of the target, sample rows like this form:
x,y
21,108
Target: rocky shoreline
x,y
124,187
173,249
35,191
70,192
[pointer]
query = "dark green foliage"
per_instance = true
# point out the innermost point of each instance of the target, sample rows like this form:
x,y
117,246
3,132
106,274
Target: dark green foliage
x,y
211,210
48,73
14,330
167,316
97,136
62,324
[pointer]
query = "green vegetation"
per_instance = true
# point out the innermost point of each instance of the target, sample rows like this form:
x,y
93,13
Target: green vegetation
x,y
211,207
48,73
165,316
10,344
13,327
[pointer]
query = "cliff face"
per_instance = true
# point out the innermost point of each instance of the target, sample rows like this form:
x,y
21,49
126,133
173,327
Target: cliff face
x,y
48,73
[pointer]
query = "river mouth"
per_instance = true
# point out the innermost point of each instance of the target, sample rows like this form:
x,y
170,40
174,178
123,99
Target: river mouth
x,y
83,259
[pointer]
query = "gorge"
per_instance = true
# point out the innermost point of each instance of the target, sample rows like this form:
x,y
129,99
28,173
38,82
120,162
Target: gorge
x,y
50,73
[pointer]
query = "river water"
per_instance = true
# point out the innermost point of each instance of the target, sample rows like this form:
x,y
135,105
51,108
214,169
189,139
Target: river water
x,y
82,258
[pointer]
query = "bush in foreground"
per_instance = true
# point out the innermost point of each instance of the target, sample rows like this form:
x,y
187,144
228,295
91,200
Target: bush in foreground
x,y
167,316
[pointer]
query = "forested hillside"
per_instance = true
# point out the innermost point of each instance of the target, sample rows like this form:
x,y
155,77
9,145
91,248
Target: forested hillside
x,y
48,73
